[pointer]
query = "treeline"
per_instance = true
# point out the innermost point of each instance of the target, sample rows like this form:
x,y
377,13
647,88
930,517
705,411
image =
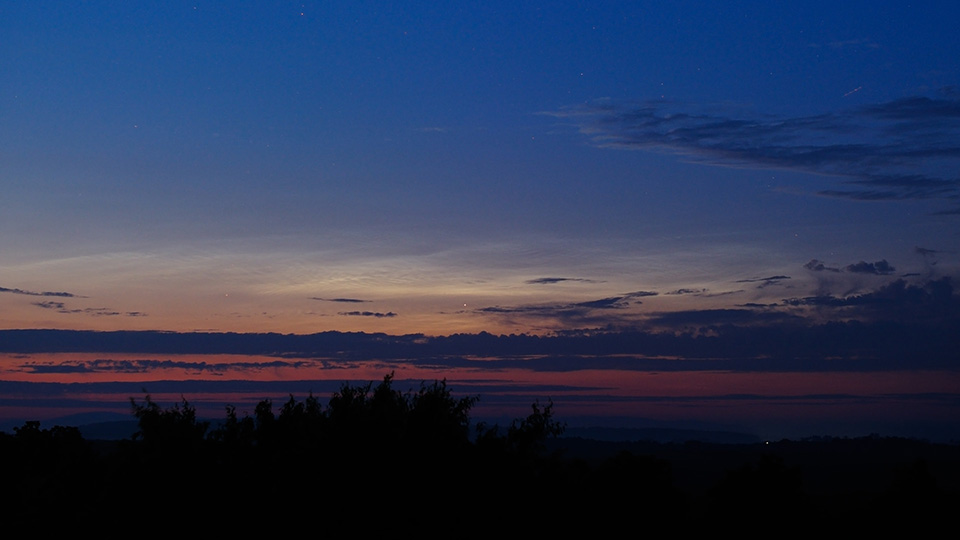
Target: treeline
x,y
413,456
377,458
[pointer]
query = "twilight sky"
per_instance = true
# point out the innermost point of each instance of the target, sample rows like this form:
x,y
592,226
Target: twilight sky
x,y
508,167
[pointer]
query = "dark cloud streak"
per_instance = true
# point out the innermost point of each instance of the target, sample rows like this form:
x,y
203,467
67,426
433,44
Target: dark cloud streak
x,y
879,268
764,282
376,314
44,293
876,268
144,366
577,313
61,307
552,280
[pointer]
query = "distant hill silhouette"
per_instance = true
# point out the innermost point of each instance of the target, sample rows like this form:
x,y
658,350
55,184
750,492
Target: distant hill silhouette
x,y
662,435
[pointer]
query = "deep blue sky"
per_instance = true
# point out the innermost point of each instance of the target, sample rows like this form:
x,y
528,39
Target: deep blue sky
x,y
157,158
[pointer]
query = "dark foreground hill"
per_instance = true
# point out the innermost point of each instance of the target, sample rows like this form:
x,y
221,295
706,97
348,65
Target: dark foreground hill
x,y
376,460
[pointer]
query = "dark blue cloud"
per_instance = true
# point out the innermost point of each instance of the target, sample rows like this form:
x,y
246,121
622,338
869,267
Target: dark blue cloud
x,y
819,266
897,301
878,268
902,149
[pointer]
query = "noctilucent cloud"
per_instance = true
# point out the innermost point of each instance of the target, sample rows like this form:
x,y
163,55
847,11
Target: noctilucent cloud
x,y
463,167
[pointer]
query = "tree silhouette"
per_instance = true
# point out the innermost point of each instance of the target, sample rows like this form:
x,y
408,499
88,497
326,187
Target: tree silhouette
x,y
177,426
524,437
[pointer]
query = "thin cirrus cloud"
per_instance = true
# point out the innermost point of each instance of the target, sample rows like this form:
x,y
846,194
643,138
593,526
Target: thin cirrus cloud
x,y
341,300
908,148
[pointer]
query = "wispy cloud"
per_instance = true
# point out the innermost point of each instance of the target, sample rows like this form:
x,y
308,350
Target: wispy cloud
x,y
908,148
880,268
144,366
610,302
924,251
552,280
640,294
765,281
44,293
687,291
61,307
703,318
376,314
342,300
854,43
602,311
815,265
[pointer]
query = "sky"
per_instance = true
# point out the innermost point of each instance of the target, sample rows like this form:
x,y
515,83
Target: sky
x,y
540,169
